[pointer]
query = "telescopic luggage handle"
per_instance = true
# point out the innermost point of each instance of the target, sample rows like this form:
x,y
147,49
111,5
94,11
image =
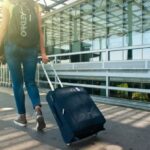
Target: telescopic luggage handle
x,y
48,79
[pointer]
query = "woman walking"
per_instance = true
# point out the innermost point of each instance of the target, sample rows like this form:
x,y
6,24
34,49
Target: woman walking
x,y
22,35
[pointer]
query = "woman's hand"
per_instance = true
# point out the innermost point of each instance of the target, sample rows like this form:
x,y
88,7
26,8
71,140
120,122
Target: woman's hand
x,y
44,58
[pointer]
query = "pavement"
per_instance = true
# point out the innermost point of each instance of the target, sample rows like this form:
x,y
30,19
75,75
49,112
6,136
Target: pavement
x,y
126,128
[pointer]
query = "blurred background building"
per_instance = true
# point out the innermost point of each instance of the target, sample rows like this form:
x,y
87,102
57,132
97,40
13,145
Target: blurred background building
x,y
102,45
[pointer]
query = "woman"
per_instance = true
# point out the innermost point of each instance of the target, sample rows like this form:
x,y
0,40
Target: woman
x,y
22,57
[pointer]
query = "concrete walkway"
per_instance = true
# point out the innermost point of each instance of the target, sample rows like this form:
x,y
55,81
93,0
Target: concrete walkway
x,y
126,129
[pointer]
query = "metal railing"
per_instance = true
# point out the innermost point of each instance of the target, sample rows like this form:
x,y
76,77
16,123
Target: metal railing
x,y
129,71
5,79
102,50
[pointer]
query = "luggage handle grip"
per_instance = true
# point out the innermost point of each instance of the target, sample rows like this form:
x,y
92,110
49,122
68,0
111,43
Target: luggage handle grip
x,y
48,79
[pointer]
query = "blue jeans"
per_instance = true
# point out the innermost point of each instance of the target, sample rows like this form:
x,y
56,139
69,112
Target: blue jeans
x,y
22,64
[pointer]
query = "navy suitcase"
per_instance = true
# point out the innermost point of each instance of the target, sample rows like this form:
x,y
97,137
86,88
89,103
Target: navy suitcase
x,y
74,111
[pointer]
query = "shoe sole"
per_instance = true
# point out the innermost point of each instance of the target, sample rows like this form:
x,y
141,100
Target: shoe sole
x,y
40,123
20,124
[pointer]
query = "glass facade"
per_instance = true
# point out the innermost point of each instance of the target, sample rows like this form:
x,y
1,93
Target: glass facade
x,y
100,24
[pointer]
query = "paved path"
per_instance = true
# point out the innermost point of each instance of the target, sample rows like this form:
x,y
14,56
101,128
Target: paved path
x,y
126,129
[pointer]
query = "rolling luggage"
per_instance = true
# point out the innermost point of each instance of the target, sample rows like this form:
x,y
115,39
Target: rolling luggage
x,y
74,111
